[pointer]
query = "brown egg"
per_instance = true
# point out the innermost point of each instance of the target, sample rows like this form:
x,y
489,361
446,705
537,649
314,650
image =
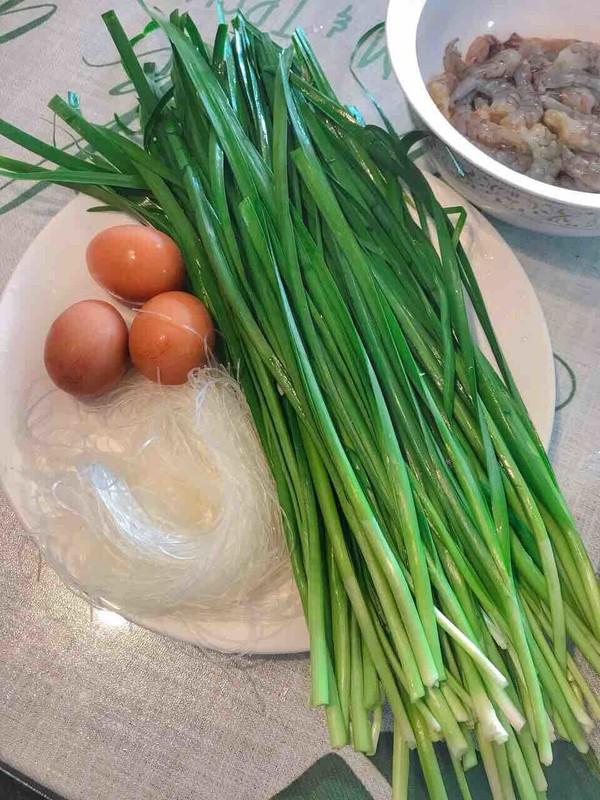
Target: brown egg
x,y
135,262
86,349
170,335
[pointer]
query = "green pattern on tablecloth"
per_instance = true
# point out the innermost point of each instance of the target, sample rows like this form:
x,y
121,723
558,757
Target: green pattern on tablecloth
x,y
329,778
417,788
569,776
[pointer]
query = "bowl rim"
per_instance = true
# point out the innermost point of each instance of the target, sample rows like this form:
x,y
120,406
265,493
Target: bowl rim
x,y
402,20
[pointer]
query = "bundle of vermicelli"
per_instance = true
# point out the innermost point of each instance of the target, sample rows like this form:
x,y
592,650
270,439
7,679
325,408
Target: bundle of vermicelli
x,y
156,498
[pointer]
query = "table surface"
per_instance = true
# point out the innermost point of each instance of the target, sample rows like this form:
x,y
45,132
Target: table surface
x,y
96,708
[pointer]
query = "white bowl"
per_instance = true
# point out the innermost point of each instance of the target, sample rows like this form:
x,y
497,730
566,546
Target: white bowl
x,y
417,33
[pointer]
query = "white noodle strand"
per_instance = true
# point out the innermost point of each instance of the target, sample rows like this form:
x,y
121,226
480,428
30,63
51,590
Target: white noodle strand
x,y
157,499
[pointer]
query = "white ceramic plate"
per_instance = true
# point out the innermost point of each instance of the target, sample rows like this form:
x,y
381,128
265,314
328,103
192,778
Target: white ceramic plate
x,y
52,275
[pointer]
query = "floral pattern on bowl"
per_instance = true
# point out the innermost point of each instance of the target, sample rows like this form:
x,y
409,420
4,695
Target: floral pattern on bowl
x,y
507,202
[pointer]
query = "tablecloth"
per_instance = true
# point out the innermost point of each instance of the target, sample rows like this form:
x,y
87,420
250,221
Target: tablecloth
x,y
103,711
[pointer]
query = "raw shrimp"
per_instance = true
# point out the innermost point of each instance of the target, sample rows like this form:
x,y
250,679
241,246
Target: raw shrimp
x,y
575,96
546,151
502,65
535,44
583,169
441,89
480,49
521,162
481,86
502,143
453,62
525,101
478,127
540,53
515,104
550,102
579,56
530,110
578,98
567,182
505,105
469,86
576,132
554,78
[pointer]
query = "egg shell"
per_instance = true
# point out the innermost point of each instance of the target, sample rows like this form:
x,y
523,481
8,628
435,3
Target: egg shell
x,y
86,350
171,334
135,262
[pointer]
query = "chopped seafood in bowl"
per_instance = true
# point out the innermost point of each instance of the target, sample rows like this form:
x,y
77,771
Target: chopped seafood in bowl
x,y
531,103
